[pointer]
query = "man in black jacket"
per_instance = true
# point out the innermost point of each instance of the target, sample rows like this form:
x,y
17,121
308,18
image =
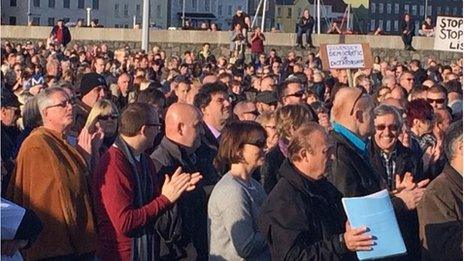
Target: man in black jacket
x,y
303,218
177,149
408,29
305,26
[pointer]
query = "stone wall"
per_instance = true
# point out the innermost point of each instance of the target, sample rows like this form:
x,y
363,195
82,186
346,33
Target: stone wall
x,y
176,42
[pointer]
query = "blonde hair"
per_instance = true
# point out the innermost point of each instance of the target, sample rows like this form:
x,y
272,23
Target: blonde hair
x,y
101,108
266,117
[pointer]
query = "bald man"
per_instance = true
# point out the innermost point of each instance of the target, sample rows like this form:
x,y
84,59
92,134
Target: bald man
x,y
246,111
353,123
177,149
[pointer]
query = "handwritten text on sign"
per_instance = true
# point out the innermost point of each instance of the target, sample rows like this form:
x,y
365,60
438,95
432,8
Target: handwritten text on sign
x,y
345,56
449,34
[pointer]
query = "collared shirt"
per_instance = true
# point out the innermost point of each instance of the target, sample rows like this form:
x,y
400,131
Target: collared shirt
x,y
360,144
213,130
388,160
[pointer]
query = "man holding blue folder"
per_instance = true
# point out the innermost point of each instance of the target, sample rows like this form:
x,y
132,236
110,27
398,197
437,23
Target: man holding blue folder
x,y
352,172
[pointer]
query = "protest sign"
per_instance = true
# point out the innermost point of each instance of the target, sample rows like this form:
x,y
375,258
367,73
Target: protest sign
x,y
346,56
448,34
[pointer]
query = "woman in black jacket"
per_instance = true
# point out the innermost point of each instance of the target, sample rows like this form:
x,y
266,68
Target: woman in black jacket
x,y
305,26
303,219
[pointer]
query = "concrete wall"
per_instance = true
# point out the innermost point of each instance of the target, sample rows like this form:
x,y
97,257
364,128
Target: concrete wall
x,y
175,42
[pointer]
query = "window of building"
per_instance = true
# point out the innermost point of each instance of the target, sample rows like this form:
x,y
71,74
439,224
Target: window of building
x,y
12,20
381,24
116,25
381,8
207,4
372,25
219,10
389,8
51,3
299,12
447,10
36,3
429,10
406,8
395,25
373,8
158,10
126,10
194,4
116,10
455,10
95,4
388,26
137,10
414,10
51,21
126,26
397,8
289,12
229,10
66,4
439,10
80,4
421,10
35,20
65,20
12,3
279,12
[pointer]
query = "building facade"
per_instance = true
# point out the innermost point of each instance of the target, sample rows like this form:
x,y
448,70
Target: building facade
x,y
387,14
288,12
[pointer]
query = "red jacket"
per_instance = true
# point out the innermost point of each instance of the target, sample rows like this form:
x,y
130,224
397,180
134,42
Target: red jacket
x,y
113,197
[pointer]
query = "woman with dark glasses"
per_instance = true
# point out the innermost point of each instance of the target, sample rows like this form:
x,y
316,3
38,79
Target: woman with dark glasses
x,y
236,199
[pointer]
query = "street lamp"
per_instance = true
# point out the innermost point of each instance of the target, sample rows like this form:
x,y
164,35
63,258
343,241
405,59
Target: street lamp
x,y
88,9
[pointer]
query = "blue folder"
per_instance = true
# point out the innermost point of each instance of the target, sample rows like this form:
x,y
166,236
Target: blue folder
x,y
376,212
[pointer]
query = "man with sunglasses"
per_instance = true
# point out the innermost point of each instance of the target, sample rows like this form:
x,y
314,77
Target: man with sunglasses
x,y
291,92
407,81
437,98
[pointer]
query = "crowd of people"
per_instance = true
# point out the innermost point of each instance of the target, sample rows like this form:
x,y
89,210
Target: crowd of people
x,y
131,155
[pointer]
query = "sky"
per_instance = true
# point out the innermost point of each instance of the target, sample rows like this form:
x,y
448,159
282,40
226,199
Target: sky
x,y
356,3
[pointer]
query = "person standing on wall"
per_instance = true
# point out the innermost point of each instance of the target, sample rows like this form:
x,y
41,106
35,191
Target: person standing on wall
x,y
305,26
408,29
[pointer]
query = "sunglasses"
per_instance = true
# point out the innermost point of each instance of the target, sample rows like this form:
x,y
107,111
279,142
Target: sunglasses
x,y
62,104
108,117
255,112
356,101
382,127
259,143
439,101
298,94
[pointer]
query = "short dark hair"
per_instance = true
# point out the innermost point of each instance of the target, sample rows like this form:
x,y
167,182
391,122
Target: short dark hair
x,y
204,96
233,137
418,109
453,135
151,96
282,88
134,116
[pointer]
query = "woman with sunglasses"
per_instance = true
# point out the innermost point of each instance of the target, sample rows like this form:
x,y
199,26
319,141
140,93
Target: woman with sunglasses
x,y
236,199
104,118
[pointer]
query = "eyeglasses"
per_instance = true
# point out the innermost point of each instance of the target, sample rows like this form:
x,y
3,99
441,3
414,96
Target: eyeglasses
x,y
62,104
356,101
298,94
382,127
107,117
439,101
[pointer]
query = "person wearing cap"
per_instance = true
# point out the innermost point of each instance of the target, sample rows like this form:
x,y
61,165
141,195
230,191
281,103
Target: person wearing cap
x,y
9,114
60,33
92,89
266,101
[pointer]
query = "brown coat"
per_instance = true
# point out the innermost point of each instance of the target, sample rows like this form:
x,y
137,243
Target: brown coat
x,y
440,217
50,179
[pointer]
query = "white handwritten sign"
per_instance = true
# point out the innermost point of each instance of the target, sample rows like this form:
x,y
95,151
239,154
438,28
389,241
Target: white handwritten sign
x,y
345,56
448,34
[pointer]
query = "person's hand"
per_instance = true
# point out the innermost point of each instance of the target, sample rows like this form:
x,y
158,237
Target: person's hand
x,y
324,121
97,137
407,182
411,197
357,239
34,90
405,139
87,141
9,247
194,179
174,186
